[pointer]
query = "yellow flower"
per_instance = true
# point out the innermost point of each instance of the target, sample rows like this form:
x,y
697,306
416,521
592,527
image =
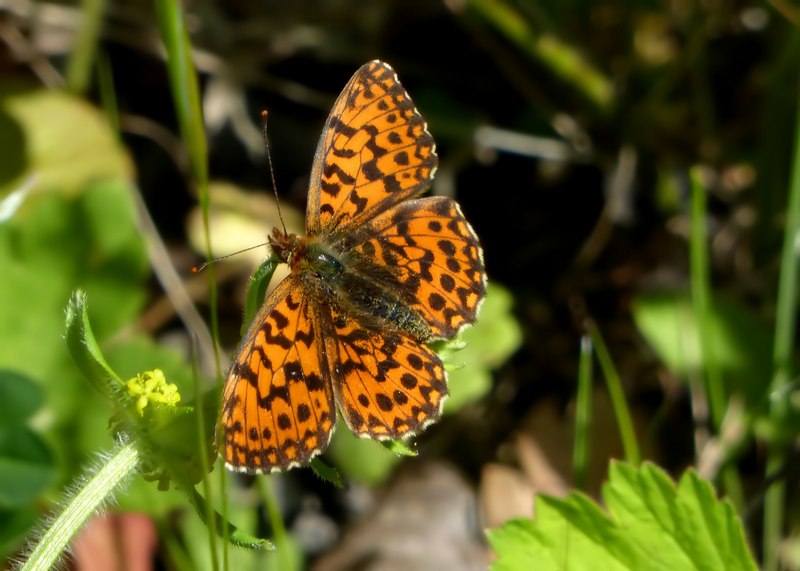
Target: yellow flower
x,y
152,386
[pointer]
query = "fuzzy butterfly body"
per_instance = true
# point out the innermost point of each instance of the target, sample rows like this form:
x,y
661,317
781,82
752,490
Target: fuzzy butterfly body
x,y
379,274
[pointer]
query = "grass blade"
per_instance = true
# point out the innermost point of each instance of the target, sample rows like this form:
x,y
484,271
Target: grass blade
x,y
617,394
583,414
785,333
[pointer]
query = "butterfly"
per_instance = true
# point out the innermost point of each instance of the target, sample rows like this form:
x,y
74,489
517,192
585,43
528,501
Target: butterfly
x,y
379,274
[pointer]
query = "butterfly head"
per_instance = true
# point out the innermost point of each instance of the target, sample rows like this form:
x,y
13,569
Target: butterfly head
x,y
286,245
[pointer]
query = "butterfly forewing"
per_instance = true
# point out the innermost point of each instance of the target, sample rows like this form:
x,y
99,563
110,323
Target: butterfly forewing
x,y
278,407
375,151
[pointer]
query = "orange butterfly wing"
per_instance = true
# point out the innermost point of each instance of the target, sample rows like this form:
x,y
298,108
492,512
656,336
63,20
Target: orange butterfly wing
x,y
374,152
435,255
387,385
278,408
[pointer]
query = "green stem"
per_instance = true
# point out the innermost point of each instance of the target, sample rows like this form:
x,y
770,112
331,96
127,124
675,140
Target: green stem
x,y
108,97
121,465
79,68
186,96
208,489
562,59
583,415
701,301
780,406
617,395
284,550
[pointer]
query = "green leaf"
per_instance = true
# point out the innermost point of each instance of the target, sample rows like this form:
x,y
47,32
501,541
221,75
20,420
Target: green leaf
x,y
20,397
52,245
105,260
57,138
26,466
257,289
14,525
361,459
398,447
486,345
651,524
515,545
322,470
26,462
84,350
741,344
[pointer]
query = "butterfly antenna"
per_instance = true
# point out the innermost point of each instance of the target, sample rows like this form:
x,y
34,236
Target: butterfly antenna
x,y
201,267
271,170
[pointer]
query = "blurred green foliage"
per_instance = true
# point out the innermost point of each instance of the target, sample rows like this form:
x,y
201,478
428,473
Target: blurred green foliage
x,y
75,228
740,342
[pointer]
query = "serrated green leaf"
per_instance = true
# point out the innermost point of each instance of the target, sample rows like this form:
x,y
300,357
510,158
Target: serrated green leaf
x,y
514,544
325,472
650,524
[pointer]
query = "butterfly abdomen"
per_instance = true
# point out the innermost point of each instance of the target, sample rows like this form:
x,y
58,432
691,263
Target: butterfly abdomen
x,y
387,308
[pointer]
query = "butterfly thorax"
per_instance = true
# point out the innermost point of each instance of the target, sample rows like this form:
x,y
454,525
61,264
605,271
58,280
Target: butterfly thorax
x,y
349,284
